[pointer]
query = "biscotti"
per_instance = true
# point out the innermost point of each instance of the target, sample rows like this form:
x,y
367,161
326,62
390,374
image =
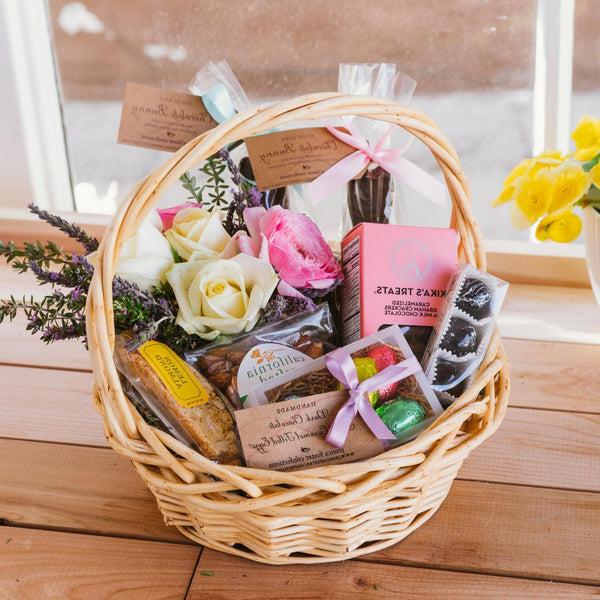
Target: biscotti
x,y
165,380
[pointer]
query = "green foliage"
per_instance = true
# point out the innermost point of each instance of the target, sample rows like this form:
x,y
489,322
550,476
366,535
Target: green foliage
x,y
215,186
213,193
590,164
189,183
20,258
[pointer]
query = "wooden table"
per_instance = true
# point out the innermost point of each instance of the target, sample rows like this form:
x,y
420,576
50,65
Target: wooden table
x,y
522,521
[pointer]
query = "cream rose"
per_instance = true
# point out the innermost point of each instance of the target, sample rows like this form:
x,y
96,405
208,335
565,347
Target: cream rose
x,y
221,296
146,257
198,232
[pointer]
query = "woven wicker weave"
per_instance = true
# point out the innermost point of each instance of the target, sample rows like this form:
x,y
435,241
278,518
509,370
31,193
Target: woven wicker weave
x,y
322,514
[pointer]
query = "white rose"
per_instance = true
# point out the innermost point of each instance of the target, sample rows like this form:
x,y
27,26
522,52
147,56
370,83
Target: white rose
x,y
221,296
199,232
146,257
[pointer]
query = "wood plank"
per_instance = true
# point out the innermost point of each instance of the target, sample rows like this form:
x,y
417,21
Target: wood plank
x,y
18,284
560,314
553,375
532,447
481,527
20,225
223,577
544,375
19,347
49,564
92,490
530,312
539,264
510,530
49,405
538,447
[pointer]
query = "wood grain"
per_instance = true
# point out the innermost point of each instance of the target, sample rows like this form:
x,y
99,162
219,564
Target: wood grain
x,y
46,565
559,314
530,312
19,347
78,488
49,405
538,447
220,577
532,447
553,375
510,530
524,262
95,490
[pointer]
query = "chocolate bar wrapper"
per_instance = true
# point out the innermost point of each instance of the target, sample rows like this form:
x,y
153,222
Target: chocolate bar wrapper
x,y
463,331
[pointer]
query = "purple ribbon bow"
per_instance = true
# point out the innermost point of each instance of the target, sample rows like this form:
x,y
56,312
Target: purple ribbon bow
x,y
341,366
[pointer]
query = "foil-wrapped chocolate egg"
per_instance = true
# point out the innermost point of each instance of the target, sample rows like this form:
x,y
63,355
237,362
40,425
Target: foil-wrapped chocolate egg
x,y
401,414
365,369
475,298
384,356
460,337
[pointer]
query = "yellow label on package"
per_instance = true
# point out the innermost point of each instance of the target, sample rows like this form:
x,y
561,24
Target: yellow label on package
x,y
175,374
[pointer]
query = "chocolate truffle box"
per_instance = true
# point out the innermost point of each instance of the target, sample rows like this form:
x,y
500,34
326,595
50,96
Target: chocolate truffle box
x,y
320,513
465,327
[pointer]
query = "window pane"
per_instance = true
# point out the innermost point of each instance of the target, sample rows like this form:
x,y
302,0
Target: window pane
x,y
473,60
586,61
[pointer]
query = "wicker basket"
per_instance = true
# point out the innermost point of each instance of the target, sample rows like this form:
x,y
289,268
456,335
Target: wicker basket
x,y
322,514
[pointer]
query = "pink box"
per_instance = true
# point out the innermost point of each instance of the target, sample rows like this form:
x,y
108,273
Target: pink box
x,y
395,275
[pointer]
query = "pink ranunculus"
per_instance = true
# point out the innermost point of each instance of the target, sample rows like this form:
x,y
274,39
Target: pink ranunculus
x,y
295,245
168,214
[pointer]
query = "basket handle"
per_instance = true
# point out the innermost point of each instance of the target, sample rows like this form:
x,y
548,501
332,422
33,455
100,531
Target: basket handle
x,y
99,313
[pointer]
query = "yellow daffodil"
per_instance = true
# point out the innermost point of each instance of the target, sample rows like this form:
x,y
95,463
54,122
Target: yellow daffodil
x,y
595,175
587,138
571,182
563,227
508,187
534,195
529,166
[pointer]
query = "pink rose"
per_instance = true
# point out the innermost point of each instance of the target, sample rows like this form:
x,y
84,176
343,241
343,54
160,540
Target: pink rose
x,y
295,246
168,214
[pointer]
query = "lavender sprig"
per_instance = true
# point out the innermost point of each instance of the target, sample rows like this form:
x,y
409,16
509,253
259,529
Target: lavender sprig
x,y
73,231
244,195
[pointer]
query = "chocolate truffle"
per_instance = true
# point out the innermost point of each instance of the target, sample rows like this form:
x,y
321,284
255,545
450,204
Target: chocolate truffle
x,y
446,374
460,337
475,298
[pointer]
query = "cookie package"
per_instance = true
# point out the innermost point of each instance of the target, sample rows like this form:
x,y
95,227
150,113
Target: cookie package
x,y
179,398
236,365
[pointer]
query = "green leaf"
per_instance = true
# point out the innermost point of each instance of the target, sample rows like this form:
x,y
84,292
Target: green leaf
x,y
189,184
593,193
591,163
215,186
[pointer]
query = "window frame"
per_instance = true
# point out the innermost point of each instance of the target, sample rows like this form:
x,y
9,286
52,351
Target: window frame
x,y
39,96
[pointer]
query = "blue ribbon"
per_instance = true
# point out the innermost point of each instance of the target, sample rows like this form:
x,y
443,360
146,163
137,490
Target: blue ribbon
x,y
218,103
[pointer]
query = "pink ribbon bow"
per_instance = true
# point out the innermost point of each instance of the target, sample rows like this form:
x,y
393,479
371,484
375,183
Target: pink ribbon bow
x,y
390,159
341,366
